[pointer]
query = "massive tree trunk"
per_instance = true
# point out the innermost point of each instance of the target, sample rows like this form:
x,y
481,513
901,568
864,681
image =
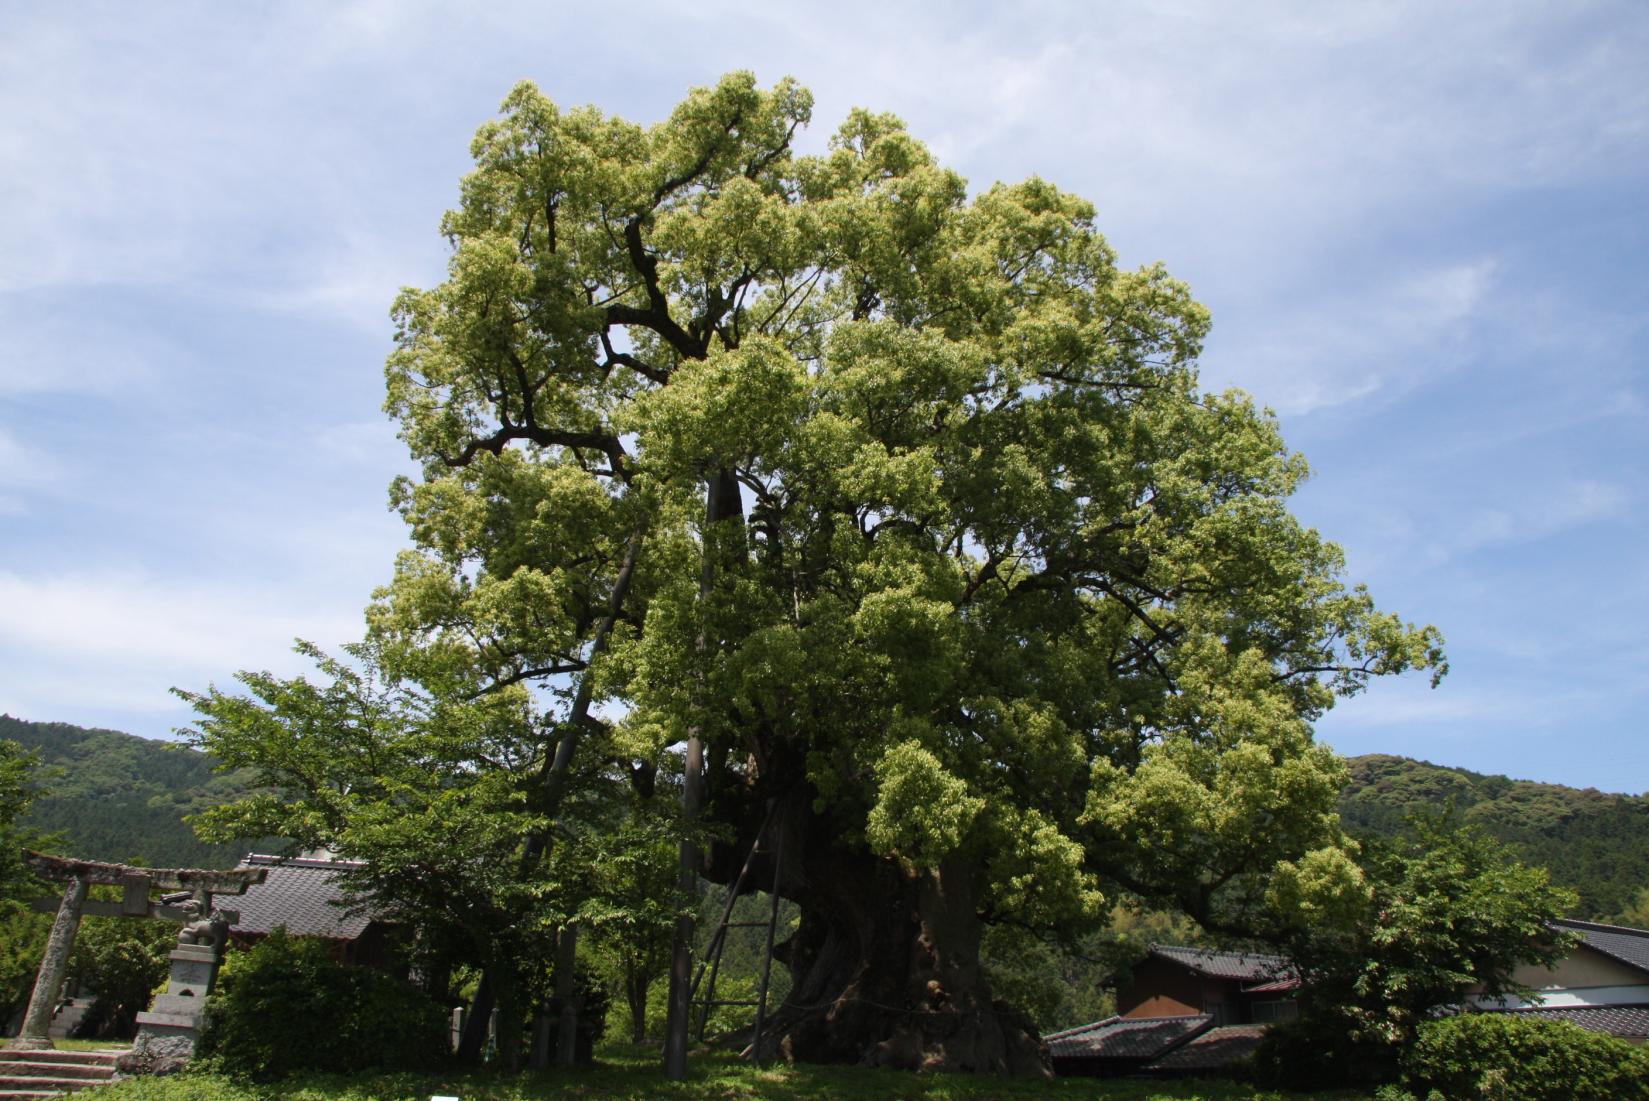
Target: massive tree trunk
x,y
885,964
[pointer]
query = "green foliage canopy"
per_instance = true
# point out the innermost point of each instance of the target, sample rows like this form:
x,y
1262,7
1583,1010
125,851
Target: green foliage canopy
x,y
1018,590
1427,917
15,796
1019,608
22,933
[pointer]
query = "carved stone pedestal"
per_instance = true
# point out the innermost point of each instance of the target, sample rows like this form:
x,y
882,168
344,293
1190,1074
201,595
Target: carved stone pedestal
x,y
169,1028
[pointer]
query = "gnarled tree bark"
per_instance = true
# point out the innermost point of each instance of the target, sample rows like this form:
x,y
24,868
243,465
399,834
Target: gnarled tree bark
x,y
885,964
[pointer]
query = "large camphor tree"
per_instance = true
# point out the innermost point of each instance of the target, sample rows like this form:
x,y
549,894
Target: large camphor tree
x,y
906,507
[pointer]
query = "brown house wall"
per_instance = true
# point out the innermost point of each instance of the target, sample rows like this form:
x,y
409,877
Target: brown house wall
x,y
1161,989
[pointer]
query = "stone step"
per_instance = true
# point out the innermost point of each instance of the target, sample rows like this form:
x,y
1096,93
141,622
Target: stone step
x,y
41,1087
31,1095
103,1058
89,1072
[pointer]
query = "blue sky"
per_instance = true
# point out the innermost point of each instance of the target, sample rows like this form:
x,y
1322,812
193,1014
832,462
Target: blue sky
x,y
1422,230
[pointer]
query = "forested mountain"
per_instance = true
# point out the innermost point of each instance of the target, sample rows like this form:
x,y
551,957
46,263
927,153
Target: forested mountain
x,y
114,796
1592,841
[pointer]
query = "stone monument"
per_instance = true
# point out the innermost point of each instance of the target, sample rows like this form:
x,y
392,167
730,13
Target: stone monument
x,y
168,1029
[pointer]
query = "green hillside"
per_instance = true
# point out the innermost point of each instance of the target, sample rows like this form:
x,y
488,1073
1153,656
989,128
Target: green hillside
x,y
114,796
1592,841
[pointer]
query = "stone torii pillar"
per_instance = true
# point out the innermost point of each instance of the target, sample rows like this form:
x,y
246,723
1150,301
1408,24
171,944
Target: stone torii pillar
x,y
135,884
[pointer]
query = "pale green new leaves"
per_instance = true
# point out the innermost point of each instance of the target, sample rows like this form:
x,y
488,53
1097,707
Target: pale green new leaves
x,y
922,813
722,411
1014,590
1323,889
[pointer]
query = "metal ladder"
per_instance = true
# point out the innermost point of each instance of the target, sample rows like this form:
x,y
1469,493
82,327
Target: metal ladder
x,y
711,964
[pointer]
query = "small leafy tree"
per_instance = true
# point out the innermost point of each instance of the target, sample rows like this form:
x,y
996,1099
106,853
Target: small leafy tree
x,y
22,932
630,911
120,961
16,793
433,794
450,796
1387,945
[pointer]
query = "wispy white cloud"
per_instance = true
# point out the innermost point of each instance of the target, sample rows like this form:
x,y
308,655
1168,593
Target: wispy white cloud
x,y
367,443
120,640
353,278
73,348
1539,513
23,467
1358,342
164,622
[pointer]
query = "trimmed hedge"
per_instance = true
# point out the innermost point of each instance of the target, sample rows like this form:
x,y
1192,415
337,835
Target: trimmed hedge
x,y
285,1006
1504,1057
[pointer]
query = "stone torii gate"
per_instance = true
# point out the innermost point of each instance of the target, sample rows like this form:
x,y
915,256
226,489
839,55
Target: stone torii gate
x,y
135,883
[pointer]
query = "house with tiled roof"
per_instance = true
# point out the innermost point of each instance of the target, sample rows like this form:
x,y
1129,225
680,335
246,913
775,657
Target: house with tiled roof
x,y
308,897
1602,984
1231,988
1120,1045
1182,1011
1198,1011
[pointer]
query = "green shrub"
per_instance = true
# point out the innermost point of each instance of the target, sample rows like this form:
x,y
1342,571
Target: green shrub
x,y
285,1006
1317,1051
1504,1057
120,963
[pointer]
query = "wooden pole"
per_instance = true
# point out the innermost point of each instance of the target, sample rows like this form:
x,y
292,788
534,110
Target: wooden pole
x,y
767,958
681,956
722,503
36,1031
566,993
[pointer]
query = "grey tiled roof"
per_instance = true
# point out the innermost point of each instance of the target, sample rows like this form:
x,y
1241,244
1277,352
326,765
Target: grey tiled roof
x,y
303,895
1629,946
1242,966
1628,1021
1125,1037
1214,1049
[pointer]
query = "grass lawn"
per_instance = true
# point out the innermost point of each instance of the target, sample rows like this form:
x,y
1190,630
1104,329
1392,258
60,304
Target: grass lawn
x,y
91,1045
630,1074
